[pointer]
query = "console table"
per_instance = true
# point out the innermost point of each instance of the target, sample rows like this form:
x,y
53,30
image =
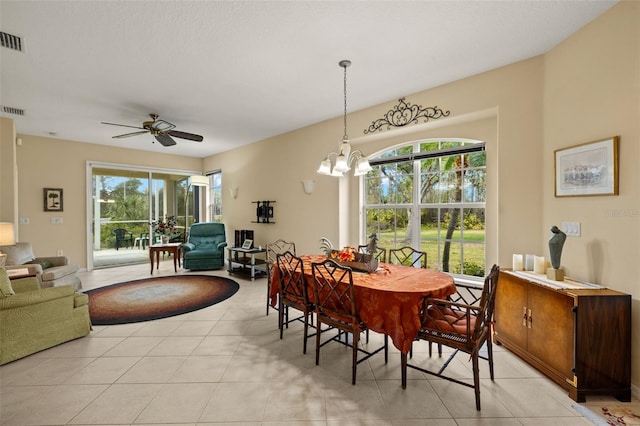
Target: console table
x,y
577,334
244,261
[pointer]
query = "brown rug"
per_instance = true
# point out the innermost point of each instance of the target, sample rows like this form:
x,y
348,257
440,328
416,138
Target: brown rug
x,y
154,298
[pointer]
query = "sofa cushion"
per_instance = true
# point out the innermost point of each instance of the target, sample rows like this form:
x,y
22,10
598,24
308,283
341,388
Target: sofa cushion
x,y
18,254
5,284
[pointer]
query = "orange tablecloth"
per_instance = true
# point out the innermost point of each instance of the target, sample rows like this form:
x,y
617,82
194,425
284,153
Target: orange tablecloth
x,y
388,300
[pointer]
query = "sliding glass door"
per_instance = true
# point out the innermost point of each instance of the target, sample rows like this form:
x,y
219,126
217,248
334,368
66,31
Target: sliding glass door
x,y
123,205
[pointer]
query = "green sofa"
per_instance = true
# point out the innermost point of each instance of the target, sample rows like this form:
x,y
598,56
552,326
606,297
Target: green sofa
x,y
34,319
205,248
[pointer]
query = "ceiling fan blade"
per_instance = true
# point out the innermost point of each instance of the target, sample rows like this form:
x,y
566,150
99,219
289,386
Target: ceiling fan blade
x,y
165,139
122,125
185,135
128,135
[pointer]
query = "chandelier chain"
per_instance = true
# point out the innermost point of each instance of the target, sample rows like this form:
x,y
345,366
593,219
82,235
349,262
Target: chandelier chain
x,y
346,136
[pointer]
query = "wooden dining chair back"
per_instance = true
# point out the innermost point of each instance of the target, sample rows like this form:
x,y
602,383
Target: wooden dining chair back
x,y
408,256
293,293
272,251
461,327
380,255
336,307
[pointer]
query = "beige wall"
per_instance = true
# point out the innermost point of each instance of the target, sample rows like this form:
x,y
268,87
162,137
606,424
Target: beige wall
x,y
584,89
54,163
8,172
592,92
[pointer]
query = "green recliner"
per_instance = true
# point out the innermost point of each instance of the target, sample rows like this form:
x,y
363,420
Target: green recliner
x,y
205,247
33,319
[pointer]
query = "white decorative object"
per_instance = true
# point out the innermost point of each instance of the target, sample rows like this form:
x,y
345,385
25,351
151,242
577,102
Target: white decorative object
x,y
308,186
517,262
233,192
539,265
528,262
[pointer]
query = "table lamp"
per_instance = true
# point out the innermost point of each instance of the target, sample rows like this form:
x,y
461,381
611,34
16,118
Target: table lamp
x,y
7,238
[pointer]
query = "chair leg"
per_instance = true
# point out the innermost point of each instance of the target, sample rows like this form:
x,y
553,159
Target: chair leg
x,y
306,332
354,360
281,321
318,341
403,369
386,349
490,356
476,379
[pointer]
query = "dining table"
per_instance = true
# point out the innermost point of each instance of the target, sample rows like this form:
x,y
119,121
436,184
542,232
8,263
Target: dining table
x,y
388,300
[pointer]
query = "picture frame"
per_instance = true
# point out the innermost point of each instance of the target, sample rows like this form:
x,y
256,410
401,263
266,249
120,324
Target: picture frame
x,y
247,244
587,169
53,200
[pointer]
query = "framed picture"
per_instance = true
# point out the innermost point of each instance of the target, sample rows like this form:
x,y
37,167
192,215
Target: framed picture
x,y
587,169
247,244
53,201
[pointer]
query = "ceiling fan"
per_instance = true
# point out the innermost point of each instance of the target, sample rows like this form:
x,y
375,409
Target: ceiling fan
x,y
161,129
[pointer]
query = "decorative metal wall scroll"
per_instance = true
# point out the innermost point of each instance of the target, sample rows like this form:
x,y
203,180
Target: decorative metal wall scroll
x,y
404,113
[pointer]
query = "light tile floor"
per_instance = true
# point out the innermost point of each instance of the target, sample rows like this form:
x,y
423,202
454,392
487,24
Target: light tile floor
x,y
226,365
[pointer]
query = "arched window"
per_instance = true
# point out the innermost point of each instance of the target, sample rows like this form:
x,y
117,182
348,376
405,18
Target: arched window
x,y
430,195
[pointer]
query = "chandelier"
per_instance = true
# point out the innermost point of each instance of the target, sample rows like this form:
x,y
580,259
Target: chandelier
x,y
345,157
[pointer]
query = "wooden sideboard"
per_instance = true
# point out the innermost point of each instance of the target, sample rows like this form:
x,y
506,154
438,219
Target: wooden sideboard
x,y
580,337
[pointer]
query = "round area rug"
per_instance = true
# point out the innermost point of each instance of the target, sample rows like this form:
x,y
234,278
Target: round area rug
x,y
154,298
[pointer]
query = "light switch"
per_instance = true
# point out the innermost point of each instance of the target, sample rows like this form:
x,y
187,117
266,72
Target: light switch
x,y
572,229
23,221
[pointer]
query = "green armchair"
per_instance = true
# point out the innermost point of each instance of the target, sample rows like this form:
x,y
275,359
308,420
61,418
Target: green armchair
x,y
205,248
33,319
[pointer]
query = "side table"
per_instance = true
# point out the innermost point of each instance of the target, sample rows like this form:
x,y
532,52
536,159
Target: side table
x,y
244,261
173,248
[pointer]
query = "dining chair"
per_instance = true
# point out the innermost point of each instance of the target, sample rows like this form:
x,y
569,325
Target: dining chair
x,y
336,307
293,293
272,251
461,327
380,255
408,256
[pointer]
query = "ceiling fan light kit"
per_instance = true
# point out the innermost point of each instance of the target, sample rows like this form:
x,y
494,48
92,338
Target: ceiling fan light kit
x,y
162,130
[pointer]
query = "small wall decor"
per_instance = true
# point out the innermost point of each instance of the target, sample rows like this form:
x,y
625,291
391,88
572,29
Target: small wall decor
x,y
404,113
53,201
264,211
587,169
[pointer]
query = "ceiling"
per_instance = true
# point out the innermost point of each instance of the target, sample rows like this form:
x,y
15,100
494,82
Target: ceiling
x,y
237,72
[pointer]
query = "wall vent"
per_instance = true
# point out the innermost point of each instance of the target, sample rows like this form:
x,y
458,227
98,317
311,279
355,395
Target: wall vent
x,y
12,110
10,41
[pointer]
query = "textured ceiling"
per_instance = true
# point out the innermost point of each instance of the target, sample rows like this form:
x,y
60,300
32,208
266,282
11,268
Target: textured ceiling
x,y
240,71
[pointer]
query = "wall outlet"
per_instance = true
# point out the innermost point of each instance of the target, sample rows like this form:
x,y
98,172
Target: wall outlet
x,y
60,253
572,229
56,220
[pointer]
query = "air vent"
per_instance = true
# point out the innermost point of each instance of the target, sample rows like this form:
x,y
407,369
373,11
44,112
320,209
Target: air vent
x,y
11,41
12,110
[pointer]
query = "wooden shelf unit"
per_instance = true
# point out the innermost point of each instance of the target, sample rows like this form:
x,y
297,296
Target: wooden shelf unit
x,y
578,337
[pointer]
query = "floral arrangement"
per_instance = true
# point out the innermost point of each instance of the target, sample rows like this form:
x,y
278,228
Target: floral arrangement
x,y
166,226
347,254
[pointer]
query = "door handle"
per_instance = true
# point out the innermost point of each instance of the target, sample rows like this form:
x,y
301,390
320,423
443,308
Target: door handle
x,y
524,316
530,319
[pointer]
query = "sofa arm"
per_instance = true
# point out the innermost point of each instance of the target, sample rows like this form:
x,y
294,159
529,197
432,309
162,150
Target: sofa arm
x,y
80,299
188,247
34,268
34,297
222,245
55,260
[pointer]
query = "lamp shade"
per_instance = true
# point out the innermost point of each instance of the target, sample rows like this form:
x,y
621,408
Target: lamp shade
x,y
199,180
7,234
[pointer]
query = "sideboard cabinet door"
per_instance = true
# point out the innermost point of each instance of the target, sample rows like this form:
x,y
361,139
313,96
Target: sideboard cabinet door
x,y
579,338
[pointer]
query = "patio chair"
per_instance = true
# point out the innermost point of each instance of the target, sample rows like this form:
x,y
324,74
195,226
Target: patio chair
x,y
124,238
